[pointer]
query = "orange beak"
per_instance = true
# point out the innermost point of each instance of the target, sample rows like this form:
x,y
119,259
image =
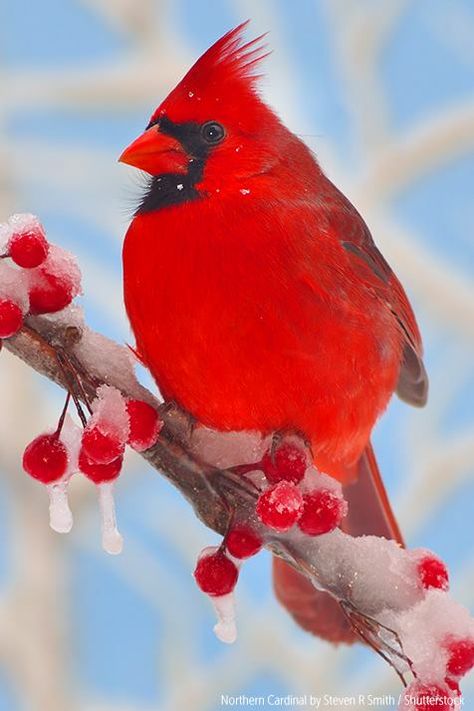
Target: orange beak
x,y
156,153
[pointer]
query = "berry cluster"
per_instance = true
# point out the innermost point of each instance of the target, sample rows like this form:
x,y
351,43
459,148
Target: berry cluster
x,y
115,422
217,570
36,276
294,494
97,451
420,696
456,650
297,494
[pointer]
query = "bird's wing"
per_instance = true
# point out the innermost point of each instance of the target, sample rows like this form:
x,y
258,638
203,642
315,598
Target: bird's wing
x,y
370,266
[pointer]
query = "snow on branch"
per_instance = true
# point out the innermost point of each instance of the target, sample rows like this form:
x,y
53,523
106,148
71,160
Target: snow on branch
x,y
41,344
255,491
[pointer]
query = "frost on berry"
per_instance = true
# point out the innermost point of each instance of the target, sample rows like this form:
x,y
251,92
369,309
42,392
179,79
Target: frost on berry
x,y
11,318
108,429
215,573
49,293
27,246
100,447
45,458
109,408
460,656
55,283
99,473
287,461
323,511
280,506
242,542
14,286
426,630
433,573
144,424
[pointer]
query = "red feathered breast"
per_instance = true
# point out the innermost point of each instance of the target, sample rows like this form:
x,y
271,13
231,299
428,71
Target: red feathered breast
x,y
251,317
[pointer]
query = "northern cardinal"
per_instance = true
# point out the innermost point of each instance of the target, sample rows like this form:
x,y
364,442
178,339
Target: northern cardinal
x,y
257,296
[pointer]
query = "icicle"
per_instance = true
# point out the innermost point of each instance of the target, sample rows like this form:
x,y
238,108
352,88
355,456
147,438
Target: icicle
x,y
112,541
60,516
225,629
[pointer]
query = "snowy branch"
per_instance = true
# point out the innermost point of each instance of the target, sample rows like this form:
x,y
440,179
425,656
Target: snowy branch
x,y
398,617
251,489
39,344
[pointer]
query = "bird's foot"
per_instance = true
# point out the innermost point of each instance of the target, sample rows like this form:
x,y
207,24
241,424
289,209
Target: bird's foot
x,y
289,434
288,456
181,424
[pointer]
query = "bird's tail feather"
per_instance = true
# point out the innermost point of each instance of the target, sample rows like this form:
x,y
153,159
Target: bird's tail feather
x,y
369,513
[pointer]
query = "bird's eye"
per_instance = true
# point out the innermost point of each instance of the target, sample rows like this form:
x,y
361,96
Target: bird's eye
x,y
212,132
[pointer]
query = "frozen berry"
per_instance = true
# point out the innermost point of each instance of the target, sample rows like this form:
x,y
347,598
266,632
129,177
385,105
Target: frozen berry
x,y
11,318
45,458
216,574
280,506
242,542
453,685
424,697
99,473
287,462
323,512
433,573
49,293
28,249
145,425
461,657
101,447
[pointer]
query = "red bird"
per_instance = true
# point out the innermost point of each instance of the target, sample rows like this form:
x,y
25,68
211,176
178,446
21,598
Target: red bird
x,y
257,296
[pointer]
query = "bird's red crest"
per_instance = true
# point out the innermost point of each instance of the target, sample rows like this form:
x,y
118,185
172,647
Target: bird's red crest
x,y
227,68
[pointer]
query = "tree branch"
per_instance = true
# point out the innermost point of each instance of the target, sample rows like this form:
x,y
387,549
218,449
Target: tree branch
x,y
40,344
66,351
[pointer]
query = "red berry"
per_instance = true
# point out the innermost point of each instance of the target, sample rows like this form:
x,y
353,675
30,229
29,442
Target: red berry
x,y
461,656
145,425
101,447
280,506
49,293
287,462
45,458
453,685
216,574
99,473
28,249
424,697
323,512
11,318
433,573
242,542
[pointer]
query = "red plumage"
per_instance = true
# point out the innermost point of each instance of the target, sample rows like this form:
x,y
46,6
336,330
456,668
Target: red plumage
x,y
255,292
